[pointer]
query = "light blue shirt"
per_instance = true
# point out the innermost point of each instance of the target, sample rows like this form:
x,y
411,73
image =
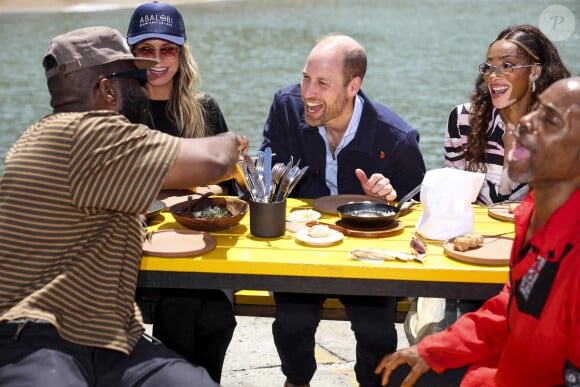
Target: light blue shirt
x,y
331,162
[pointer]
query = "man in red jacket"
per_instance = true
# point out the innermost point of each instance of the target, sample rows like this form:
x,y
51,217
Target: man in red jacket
x,y
529,334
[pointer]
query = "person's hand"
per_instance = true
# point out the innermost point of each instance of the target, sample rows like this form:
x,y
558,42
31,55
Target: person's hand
x,y
376,185
213,188
243,144
408,355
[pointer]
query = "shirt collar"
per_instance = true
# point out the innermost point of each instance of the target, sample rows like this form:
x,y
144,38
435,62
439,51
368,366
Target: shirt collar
x,y
550,239
355,119
352,125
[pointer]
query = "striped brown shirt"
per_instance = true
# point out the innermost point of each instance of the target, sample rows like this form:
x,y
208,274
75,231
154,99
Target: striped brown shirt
x,y
70,235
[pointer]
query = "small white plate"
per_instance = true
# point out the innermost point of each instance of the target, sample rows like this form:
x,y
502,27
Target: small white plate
x,y
334,237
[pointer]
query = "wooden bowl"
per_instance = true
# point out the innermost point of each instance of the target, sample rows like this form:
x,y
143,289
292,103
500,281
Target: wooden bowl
x,y
237,209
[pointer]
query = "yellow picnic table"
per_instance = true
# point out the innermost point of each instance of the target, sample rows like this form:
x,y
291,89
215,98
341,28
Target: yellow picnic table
x,y
242,261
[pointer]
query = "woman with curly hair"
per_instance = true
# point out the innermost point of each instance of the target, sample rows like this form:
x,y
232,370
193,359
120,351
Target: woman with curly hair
x,y
196,323
520,63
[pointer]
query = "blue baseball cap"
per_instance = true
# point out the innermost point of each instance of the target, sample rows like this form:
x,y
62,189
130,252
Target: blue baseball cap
x,y
156,21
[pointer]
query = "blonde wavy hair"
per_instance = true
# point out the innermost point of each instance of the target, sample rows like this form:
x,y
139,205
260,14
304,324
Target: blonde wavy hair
x,y
184,106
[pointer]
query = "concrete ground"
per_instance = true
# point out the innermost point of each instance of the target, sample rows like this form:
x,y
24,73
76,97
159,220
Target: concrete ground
x,y
252,360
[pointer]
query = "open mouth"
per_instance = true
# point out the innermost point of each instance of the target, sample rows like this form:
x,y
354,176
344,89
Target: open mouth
x,y
158,71
498,90
518,152
312,108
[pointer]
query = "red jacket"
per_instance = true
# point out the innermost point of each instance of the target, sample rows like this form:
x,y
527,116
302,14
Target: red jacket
x,y
529,334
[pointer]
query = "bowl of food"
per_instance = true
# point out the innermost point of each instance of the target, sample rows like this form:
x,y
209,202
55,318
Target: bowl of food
x,y
307,215
210,213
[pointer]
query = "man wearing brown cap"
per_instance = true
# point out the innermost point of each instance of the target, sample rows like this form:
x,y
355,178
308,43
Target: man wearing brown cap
x,y
73,189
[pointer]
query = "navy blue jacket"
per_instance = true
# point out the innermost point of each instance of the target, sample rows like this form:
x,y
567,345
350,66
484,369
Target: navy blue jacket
x,y
384,143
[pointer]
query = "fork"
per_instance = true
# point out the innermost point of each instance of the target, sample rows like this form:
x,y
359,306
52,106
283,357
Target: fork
x,y
286,183
278,172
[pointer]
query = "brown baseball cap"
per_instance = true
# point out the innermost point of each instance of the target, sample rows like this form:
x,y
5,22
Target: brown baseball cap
x,y
87,47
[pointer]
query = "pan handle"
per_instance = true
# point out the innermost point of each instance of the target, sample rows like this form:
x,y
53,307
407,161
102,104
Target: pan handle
x,y
408,196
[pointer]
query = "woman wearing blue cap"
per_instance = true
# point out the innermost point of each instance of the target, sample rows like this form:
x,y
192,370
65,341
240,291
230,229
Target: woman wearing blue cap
x,y
198,324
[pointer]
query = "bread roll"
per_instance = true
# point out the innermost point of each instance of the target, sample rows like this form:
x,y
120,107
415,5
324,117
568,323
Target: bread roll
x,y
319,231
467,242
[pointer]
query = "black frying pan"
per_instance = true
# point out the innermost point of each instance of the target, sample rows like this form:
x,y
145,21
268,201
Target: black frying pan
x,y
369,214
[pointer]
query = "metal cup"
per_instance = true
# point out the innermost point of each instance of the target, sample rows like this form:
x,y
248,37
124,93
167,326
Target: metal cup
x,y
267,220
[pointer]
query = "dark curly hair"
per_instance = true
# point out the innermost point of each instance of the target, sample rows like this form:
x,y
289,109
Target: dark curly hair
x,y
533,44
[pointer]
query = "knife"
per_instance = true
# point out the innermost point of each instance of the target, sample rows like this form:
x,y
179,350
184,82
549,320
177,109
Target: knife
x,y
268,171
255,177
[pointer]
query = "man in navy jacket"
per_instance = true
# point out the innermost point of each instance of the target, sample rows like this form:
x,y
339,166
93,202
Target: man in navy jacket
x,y
352,145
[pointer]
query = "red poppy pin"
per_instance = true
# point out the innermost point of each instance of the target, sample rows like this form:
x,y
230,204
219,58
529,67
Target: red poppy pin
x,y
382,155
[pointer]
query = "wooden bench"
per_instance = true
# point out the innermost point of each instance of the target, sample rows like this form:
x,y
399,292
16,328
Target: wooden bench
x,y
260,303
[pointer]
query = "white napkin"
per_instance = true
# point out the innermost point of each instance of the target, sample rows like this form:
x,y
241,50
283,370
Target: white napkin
x,y
446,197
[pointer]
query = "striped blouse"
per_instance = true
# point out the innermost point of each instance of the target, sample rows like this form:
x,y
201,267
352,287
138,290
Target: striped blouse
x,y
73,187
456,137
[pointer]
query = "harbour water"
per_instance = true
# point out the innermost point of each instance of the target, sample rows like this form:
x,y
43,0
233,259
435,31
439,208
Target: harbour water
x,y
423,54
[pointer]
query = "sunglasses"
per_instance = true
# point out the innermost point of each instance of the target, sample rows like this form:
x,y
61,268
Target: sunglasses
x,y
167,52
487,69
140,75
